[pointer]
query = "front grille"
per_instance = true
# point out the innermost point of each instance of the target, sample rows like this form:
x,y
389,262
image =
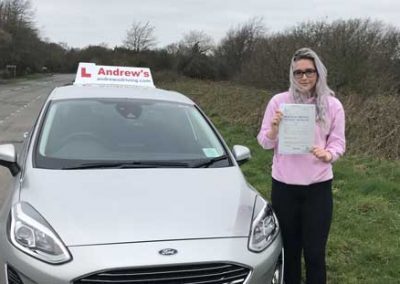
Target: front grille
x,y
12,276
211,273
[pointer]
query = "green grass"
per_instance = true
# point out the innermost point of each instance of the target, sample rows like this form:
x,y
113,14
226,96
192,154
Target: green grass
x,y
364,243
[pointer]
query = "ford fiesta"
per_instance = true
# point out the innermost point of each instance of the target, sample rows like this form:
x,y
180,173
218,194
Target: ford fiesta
x,y
131,184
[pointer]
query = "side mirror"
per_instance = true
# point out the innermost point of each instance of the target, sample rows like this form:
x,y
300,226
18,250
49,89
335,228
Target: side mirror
x,y
241,153
8,158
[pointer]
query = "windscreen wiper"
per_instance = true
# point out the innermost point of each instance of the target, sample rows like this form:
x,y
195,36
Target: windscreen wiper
x,y
128,165
208,162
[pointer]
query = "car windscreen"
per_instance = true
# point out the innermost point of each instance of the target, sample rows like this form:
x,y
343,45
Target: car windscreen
x,y
96,133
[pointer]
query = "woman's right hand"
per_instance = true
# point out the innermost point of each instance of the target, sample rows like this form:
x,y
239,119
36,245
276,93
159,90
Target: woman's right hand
x,y
276,120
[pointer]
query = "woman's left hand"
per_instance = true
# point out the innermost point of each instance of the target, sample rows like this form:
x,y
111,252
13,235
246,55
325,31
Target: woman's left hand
x,y
322,154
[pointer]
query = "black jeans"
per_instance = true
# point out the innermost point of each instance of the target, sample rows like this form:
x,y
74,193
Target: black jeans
x,y
305,215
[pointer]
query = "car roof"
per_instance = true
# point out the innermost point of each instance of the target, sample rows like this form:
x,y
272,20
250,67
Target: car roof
x,y
112,91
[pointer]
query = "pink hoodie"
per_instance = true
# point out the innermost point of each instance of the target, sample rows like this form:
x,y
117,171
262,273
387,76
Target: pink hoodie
x,y
305,169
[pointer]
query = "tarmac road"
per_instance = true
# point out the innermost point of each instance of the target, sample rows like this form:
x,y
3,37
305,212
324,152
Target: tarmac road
x,y
20,103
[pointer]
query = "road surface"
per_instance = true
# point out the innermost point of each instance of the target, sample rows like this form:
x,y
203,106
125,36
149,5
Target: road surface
x,y
20,104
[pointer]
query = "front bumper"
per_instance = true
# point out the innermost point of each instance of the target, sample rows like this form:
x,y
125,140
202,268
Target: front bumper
x,y
91,259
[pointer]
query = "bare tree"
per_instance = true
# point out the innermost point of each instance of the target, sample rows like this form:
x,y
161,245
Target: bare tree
x,y
19,40
5,37
238,45
197,42
193,55
16,13
362,56
140,37
172,48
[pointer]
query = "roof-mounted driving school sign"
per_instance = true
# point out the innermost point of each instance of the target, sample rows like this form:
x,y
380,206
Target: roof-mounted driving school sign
x,y
90,73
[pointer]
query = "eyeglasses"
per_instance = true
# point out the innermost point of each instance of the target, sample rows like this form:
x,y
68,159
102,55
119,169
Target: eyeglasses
x,y
310,73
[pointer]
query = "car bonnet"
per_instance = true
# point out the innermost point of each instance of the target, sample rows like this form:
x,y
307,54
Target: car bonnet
x,y
87,207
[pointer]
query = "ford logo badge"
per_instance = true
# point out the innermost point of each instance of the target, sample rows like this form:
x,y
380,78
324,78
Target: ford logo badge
x,y
168,251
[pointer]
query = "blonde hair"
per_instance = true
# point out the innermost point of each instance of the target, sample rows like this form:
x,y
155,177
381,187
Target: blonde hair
x,y
321,91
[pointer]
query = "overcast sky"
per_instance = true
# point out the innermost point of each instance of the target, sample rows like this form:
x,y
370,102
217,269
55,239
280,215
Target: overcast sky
x,y
80,23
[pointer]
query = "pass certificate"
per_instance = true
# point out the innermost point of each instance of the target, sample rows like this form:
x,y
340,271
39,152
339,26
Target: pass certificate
x,y
296,130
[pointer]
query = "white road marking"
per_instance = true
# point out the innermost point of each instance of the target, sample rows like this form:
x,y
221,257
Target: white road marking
x,y
18,110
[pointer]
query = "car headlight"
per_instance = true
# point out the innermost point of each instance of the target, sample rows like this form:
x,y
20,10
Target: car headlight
x,y
264,227
30,232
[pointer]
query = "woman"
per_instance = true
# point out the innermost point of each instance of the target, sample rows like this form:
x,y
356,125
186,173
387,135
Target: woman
x,y
302,183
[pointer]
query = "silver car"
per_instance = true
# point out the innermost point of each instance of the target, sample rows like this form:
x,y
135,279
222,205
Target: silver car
x,y
120,184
